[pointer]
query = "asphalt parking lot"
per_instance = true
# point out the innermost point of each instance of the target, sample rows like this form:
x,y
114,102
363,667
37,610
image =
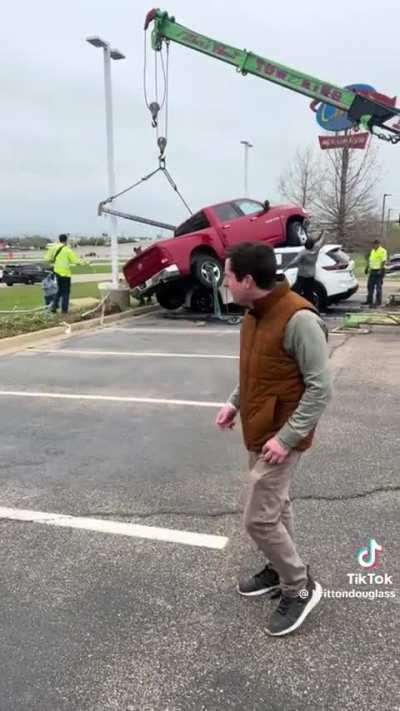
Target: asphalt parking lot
x,y
116,426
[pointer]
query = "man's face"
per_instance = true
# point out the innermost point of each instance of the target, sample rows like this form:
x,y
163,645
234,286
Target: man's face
x,y
376,245
240,290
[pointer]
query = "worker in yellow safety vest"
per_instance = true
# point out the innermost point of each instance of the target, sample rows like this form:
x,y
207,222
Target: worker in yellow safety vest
x,y
61,258
375,269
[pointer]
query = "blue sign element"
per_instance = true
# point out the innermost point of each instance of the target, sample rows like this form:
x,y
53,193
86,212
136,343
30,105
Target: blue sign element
x,y
332,119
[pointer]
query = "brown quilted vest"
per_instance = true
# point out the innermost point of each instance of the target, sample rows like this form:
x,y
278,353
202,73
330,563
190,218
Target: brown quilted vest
x,y
271,384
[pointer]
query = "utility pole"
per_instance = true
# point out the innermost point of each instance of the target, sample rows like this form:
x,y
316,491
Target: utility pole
x,y
108,55
246,145
344,168
385,195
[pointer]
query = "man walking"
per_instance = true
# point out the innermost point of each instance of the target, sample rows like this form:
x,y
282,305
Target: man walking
x,y
375,269
284,387
61,258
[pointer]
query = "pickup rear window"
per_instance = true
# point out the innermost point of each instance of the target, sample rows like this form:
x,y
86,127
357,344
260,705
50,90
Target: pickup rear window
x,y
197,222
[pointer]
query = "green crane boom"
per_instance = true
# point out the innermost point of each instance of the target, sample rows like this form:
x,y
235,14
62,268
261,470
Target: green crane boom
x,y
361,108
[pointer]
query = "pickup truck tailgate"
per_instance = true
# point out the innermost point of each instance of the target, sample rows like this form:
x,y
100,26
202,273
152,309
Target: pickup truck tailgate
x,y
145,265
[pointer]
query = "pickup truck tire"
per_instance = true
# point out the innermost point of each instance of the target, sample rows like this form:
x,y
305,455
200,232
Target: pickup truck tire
x,y
170,296
295,234
202,300
201,266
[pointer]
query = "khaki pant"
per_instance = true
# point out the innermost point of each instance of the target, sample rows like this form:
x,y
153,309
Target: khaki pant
x,y
268,519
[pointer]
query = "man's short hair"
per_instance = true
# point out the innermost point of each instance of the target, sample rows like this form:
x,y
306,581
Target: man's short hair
x,y
376,241
63,238
257,260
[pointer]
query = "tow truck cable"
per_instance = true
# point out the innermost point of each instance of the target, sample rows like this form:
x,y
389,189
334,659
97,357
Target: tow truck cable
x,y
155,109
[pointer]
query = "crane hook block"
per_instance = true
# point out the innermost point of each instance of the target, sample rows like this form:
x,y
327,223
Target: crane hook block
x,y
154,109
162,144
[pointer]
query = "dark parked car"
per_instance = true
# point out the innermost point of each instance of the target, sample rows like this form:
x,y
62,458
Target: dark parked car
x,y
23,273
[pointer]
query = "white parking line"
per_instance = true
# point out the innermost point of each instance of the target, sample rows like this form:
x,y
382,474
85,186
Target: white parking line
x,y
133,354
167,535
111,398
176,331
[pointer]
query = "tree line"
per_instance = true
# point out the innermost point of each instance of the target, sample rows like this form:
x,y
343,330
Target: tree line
x,y
339,188
39,242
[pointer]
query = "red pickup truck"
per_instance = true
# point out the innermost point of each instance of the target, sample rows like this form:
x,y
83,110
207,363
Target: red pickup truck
x,y
171,267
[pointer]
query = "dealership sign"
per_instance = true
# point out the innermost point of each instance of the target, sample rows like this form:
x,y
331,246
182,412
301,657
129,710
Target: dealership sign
x,y
332,119
349,140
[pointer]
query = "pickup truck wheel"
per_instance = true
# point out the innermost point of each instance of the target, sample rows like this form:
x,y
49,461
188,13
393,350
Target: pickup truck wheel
x,y
9,283
170,296
202,265
296,234
202,300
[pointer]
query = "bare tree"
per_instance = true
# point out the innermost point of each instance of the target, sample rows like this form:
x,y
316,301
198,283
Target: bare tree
x,y
299,182
338,190
346,196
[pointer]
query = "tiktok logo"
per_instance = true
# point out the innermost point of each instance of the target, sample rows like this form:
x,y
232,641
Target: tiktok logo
x,y
367,557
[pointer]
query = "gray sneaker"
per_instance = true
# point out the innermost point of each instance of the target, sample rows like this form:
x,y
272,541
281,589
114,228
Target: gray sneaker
x,y
292,611
266,581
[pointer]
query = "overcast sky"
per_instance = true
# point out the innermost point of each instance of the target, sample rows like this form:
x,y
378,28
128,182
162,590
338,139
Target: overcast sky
x,y
53,158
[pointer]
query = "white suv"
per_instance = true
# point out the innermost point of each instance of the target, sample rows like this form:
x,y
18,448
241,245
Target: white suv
x,y
334,279
334,276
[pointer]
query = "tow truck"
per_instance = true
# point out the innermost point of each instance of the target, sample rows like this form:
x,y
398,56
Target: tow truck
x,y
367,110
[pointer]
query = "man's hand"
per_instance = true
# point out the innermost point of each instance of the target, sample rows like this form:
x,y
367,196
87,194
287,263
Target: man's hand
x,y
226,417
273,452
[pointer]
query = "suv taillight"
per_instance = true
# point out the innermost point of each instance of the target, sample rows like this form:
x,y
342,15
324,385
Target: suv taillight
x,y
335,267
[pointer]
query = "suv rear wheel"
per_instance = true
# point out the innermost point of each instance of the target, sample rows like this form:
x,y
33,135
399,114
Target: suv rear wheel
x,y
320,298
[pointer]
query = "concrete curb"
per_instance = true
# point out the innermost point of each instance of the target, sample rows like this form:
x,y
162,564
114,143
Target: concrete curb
x,y
34,338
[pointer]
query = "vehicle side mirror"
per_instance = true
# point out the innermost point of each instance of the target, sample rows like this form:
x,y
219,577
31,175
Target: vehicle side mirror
x,y
266,205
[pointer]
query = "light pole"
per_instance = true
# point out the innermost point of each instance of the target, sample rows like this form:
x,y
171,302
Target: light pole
x,y
108,55
385,195
246,145
392,209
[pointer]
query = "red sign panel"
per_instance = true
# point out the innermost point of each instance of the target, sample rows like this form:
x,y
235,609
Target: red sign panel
x,y
352,140
389,101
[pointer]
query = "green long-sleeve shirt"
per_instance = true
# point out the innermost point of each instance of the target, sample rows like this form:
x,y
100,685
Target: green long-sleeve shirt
x,y
305,340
